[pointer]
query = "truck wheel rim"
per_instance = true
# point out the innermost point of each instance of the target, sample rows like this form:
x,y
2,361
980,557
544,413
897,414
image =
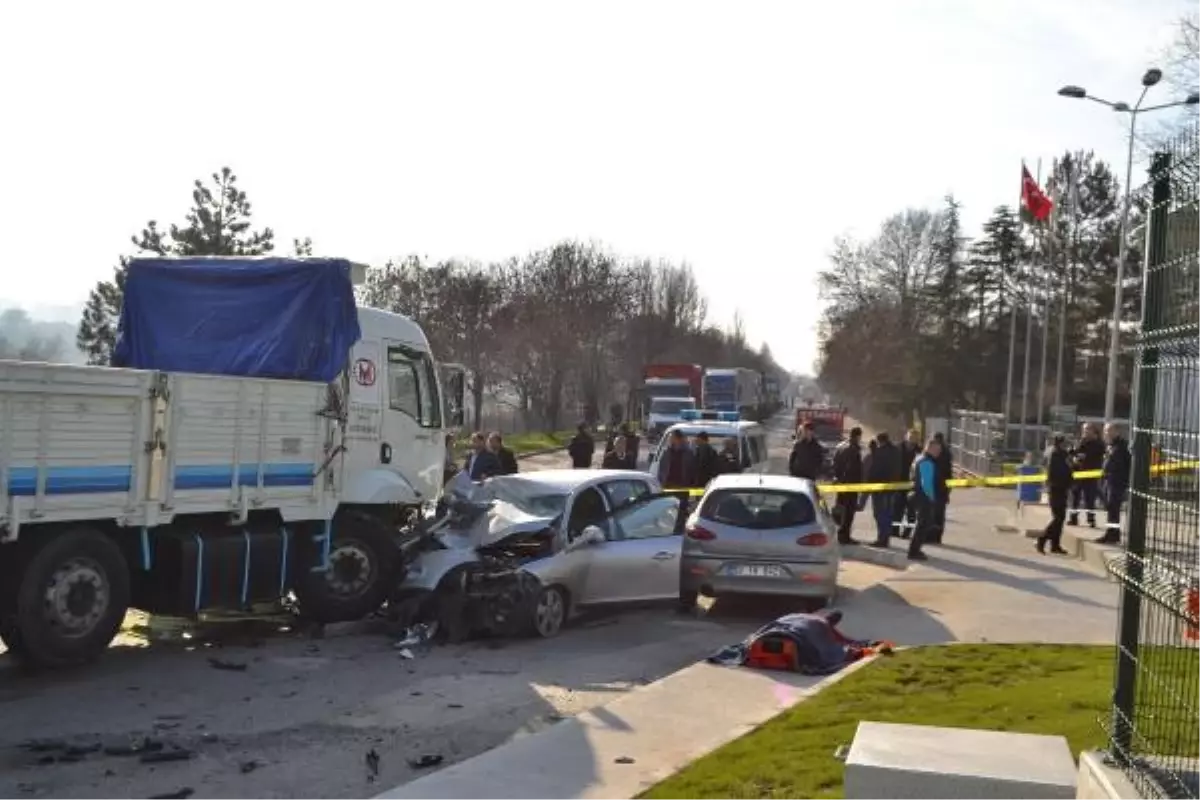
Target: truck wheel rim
x,y
350,569
76,597
550,612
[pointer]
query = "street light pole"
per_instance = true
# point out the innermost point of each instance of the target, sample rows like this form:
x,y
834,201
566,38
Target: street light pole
x,y
1151,77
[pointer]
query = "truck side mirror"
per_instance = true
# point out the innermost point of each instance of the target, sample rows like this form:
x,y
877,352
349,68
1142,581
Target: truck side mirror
x,y
454,382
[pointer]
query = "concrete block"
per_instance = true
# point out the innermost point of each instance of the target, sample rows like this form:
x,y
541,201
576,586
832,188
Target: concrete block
x,y
895,557
911,761
1100,780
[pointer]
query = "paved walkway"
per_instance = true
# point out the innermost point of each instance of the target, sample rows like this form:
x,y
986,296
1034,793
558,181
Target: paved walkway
x,y
980,586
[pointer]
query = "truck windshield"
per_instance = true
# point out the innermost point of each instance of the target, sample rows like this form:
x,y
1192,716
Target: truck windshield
x,y
670,405
677,390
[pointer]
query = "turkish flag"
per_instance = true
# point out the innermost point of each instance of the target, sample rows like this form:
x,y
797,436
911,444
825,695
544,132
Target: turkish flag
x,y
1032,198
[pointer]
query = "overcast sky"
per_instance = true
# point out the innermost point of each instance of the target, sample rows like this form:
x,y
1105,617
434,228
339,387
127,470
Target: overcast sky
x,y
740,137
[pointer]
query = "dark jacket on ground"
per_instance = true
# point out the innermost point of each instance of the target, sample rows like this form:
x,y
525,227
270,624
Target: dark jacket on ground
x,y
508,461
582,450
885,465
847,463
806,460
1117,463
1088,454
708,464
483,464
1058,471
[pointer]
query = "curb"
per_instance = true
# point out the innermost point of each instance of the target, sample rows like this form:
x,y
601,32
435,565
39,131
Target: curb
x,y
896,559
544,452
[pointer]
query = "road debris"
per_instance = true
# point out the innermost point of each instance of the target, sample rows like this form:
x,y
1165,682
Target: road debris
x,y
164,756
623,760
227,666
372,760
405,653
418,635
246,767
181,793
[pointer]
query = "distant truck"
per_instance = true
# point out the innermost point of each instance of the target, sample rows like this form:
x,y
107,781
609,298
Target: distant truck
x,y
732,389
263,437
675,382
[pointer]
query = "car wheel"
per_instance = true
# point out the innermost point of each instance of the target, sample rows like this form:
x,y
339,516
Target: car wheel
x,y
550,613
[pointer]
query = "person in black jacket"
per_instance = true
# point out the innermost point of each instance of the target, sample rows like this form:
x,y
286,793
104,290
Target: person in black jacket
x,y
945,462
1087,455
847,468
708,462
1116,469
1058,484
617,457
632,441
582,448
885,468
481,463
904,513
508,461
808,456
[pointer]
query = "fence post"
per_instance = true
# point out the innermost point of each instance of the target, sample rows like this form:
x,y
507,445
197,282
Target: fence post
x,y
1143,423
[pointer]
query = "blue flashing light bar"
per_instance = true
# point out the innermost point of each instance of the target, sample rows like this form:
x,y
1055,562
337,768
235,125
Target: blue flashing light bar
x,y
707,415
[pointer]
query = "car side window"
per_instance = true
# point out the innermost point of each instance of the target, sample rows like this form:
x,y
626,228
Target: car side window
x,y
625,491
588,509
649,518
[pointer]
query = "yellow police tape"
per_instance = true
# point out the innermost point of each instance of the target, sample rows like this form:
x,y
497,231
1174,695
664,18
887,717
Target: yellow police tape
x,y
965,483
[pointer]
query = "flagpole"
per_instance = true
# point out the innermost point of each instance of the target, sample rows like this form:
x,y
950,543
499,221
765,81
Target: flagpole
x,y
1012,337
1029,333
1068,252
1048,268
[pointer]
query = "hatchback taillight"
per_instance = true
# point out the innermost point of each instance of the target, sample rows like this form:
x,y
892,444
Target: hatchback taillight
x,y
700,534
813,540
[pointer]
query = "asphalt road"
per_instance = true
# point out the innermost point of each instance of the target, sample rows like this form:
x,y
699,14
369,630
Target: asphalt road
x,y
304,715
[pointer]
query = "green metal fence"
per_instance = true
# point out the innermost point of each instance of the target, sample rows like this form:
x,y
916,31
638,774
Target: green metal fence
x,y
1154,728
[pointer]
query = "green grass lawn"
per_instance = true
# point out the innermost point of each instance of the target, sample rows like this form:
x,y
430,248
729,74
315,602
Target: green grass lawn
x,y
1047,689
521,443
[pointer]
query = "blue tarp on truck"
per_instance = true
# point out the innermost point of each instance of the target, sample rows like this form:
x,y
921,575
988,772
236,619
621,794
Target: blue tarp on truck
x,y
285,318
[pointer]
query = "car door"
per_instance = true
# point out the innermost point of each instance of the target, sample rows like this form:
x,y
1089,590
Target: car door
x,y
639,559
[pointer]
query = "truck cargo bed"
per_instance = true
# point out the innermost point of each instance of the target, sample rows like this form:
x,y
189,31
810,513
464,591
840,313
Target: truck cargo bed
x,y
141,447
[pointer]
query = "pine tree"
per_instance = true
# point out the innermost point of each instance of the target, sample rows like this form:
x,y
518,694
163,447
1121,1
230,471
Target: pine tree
x,y
218,224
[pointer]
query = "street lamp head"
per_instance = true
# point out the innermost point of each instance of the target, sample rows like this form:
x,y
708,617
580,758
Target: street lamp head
x,y
1072,91
1120,106
1151,77
1193,99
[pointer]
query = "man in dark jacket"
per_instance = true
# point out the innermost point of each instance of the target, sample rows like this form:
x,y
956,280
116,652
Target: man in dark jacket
x,y
945,463
847,468
616,458
904,515
1058,484
1087,455
481,463
1116,469
677,469
582,448
708,463
924,497
632,441
808,456
885,468
508,461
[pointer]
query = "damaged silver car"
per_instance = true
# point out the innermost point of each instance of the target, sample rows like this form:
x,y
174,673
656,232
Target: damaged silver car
x,y
522,553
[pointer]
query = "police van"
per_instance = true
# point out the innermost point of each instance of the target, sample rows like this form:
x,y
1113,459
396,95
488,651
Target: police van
x,y
725,429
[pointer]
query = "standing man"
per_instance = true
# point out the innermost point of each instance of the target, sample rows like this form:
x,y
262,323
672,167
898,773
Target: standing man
x,y
808,456
482,463
1087,455
1116,469
677,468
1058,484
924,497
616,458
945,463
731,462
631,445
885,468
708,463
508,461
904,516
582,448
847,468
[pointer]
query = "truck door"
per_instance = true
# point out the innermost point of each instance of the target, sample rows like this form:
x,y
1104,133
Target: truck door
x,y
412,437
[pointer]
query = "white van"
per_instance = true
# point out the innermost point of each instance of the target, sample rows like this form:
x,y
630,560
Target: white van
x,y
750,438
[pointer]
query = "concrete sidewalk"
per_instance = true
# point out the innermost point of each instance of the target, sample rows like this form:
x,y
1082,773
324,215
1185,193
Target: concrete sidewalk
x,y
623,748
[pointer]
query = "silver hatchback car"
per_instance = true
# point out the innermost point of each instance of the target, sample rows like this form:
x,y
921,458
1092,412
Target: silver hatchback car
x,y
759,535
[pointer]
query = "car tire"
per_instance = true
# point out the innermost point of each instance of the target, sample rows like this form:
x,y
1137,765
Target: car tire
x,y
550,612
71,627
362,543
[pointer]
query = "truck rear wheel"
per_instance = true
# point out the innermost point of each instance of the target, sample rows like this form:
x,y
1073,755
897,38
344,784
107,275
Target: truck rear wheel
x,y
71,601
362,570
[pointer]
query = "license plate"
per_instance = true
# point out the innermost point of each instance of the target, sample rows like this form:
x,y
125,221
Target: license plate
x,y
759,571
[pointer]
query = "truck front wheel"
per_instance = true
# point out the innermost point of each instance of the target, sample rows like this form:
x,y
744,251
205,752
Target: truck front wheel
x,y
71,601
362,570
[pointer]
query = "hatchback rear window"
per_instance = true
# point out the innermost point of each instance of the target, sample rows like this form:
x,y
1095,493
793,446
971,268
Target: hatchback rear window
x,y
759,509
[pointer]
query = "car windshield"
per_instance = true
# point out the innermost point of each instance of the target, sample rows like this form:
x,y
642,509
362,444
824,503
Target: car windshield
x,y
533,498
715,441
758,509
669,405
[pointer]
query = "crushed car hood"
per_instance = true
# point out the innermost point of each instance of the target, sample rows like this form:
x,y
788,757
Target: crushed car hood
x,y
495,524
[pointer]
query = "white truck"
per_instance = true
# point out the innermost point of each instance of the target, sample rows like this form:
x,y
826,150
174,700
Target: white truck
x,y
179,493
